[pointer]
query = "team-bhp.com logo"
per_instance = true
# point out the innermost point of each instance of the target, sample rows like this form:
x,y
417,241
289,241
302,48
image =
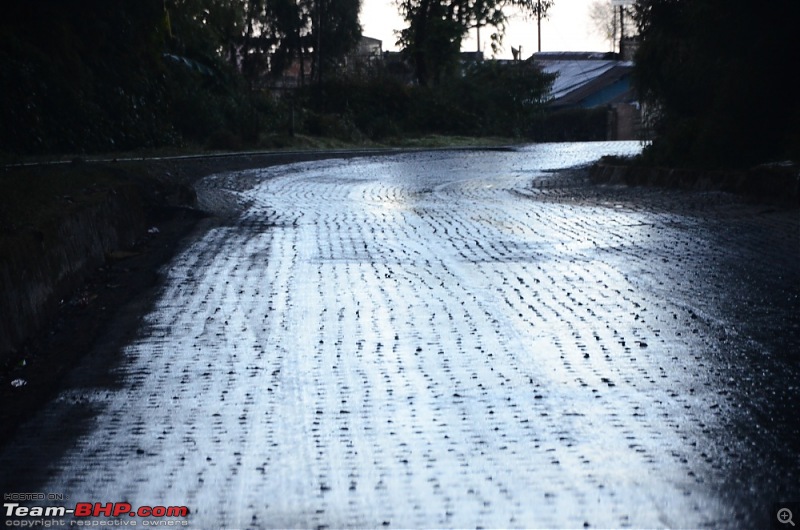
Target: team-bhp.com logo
x,y
87,514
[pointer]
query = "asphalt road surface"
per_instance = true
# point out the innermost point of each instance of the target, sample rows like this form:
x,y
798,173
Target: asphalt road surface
x,y
447,339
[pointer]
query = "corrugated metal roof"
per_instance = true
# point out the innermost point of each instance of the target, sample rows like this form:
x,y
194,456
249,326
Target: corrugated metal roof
x,y
581,74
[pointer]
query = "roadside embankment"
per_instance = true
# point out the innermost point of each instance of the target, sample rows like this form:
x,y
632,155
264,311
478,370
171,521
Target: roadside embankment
x,y
58,224
77,242
776,183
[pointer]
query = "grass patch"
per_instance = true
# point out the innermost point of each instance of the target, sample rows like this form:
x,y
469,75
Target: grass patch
x,y
435,141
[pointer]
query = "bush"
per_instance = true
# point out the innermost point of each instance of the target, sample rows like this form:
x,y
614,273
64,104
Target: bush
x,y
722,100
70,83
489,99
376,107
95,79
503,98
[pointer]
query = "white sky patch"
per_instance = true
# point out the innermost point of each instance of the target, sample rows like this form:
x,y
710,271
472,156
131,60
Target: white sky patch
x,y
567,28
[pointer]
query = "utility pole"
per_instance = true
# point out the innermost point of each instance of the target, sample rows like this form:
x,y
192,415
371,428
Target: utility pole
x,y
622,4
319,42
539,22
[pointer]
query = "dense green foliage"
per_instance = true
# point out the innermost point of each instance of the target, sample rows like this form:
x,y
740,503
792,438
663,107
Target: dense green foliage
x,y
63,87
111,75
718,79
505,99
121,75
487,99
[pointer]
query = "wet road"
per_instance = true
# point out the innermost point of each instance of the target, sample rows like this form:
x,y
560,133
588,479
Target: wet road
x,y
459,339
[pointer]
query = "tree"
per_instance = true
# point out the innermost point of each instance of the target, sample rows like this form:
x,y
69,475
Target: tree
x,y
206,30
79,77
272,37
604,19
436,29
719,75
506,98
335,31
260,36
609,23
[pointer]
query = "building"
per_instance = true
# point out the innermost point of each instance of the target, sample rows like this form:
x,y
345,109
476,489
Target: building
x,y
587,80
367,55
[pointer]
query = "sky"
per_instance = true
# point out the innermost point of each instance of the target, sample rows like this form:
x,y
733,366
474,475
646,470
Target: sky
x,y
567,29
